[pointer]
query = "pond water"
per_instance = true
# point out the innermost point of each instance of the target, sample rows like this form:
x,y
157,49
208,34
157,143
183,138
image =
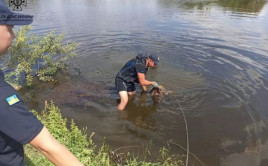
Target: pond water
x,y
214,59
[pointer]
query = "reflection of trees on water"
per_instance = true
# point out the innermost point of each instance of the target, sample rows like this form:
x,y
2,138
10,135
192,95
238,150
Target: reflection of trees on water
x,y
251,6
248,6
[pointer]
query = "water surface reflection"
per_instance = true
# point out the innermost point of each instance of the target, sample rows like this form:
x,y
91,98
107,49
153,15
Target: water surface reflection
x,y
213,57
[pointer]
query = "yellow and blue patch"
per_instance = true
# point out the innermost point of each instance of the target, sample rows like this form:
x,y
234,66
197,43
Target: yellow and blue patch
x,y
12,99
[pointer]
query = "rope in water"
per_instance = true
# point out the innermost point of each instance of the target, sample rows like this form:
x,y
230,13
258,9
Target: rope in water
x,y
187,133
187,137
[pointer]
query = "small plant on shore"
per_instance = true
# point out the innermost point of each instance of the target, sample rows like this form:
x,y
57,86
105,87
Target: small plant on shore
x,y
41,56
164,158
76,140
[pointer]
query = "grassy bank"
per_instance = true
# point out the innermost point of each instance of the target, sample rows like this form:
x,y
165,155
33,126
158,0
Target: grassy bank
x,y
83,147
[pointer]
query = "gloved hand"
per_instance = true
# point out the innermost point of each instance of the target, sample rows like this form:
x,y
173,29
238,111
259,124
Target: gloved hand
x,y
155,84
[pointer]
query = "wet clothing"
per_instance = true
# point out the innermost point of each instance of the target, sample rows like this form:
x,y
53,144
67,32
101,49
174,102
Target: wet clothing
x,y
121,85
18,126
128,75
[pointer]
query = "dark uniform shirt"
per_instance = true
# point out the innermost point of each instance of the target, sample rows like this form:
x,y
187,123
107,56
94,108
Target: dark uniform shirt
x,y
129,72
18,126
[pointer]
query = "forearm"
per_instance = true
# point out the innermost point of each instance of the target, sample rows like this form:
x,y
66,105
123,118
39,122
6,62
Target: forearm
x,y
146,83
143,81
60,155
57,153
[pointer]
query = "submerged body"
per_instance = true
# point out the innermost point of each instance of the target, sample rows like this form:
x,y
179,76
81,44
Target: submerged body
x,y
158,93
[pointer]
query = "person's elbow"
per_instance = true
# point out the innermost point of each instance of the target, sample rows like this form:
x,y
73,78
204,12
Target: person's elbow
x,y
57,153
45,142
50,147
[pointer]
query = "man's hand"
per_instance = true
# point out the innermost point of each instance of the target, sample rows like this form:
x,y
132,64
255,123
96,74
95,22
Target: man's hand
x,y
144,88
155,84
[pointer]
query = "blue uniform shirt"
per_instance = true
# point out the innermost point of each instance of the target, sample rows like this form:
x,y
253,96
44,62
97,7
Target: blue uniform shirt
x,y
129,71
18,126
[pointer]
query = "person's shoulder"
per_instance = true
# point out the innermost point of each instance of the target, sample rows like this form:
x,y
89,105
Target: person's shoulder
x,y
2,79
141,61
141,56
6,89
3,83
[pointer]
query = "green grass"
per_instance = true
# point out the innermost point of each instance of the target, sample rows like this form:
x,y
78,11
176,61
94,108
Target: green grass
x,y
83,147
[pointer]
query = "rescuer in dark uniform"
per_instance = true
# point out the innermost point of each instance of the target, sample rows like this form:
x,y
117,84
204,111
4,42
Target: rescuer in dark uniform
x,y
18,126
134,72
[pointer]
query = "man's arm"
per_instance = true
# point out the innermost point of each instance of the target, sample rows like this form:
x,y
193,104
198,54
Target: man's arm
x,y
143,81
53,150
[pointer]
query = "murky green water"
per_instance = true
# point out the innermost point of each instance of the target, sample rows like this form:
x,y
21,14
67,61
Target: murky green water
x,y
213,57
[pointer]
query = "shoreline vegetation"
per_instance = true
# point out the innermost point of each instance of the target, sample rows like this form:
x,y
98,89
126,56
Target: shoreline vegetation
x,y
36,56
83,147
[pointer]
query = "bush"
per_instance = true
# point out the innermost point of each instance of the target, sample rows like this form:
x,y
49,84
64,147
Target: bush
x,y
76,140
40,56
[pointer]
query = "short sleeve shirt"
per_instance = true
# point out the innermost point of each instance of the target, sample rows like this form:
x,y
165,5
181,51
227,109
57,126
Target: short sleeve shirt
x,y
18,125
129,72
140,68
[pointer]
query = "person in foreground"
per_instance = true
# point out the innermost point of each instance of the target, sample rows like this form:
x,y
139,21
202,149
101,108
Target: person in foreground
x,y
18,125
134,72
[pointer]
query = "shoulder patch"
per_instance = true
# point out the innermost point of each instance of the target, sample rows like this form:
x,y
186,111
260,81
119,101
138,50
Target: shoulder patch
x,y
12,99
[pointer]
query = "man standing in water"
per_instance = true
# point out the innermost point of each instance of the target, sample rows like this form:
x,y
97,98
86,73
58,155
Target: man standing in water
x,y
134,72
18,126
